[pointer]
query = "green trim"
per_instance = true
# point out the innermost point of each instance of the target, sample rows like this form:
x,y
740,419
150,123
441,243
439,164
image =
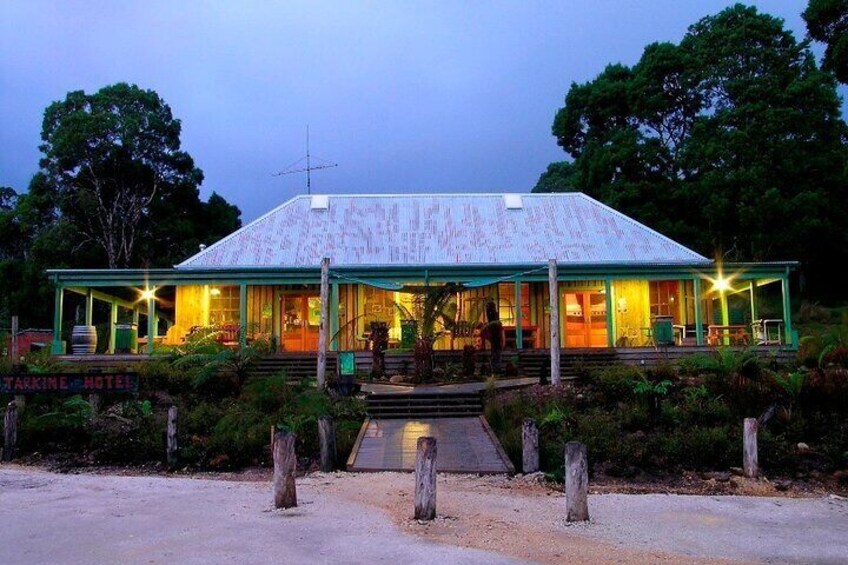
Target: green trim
x,y
89,308
754,309
58,304
699,327
517,317
243,315
151,324
113,321
610,317
334,315
787,312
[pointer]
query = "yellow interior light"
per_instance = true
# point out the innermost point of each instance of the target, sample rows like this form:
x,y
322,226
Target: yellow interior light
x,y
215,291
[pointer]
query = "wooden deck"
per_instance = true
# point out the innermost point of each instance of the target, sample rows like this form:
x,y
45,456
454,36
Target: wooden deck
x,y
464,445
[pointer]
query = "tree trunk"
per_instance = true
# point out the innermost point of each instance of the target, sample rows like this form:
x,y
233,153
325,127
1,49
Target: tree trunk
x,y
750,466
171,437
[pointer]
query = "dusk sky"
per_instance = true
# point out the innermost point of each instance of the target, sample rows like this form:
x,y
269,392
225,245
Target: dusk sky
x,y
404,96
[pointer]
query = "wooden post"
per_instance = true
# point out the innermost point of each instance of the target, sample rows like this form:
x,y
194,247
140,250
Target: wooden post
x,y
749,448
14,345
610,305
322,326
553,288
699,327
113,321
57,320
171,437
151,324
519,322
787,311
327,443
89,307
530,445
10,428
242,336
94,402
576,482
425,479
285,466
334,316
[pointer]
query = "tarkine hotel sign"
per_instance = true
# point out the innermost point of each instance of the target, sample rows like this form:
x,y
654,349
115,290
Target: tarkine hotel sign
x,y
68,382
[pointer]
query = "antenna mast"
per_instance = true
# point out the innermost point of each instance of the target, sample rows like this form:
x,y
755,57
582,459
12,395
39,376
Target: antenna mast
x,y
297,166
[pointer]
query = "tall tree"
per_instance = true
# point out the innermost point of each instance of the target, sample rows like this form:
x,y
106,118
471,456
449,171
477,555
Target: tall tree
x,y
559,177
110,156
730,141
827,22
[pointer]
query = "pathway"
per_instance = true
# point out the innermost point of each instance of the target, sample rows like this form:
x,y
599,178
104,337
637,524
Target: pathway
x,y
464,445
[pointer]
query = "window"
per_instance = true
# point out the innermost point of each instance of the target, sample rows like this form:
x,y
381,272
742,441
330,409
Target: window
x,y
506,303
224,305
664,298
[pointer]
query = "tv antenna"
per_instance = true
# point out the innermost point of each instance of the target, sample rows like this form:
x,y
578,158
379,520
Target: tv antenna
x,y
297,166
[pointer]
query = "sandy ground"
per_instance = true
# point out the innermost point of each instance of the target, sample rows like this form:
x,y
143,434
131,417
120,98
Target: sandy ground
x,y
366,518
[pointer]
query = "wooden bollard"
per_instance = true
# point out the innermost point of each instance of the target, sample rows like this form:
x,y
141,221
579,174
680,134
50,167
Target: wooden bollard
x,y
576,482
530,446
285,467
425,479
10,428
327,443
171,437
94,402
750,466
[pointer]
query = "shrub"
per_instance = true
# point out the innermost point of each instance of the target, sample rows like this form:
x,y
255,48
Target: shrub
x,y
616,382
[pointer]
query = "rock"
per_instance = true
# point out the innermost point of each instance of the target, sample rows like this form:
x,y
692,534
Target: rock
x,y
736,471
841,476
396,379
719,476
803,448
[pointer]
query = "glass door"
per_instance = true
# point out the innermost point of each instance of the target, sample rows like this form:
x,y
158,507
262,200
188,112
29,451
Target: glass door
x,y
300,315
585,319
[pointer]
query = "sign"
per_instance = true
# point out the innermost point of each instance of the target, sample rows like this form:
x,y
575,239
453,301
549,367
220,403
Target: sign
x,y
347,363
75,383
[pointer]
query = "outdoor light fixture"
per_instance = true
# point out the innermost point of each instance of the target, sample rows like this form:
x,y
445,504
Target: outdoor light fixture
x,y
148,293
215,291
721,284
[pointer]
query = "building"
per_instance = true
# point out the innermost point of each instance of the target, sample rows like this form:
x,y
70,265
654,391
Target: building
x,y
620,283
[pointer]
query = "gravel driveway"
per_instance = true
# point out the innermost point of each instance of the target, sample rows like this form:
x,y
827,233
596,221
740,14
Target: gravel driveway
x,y
364,518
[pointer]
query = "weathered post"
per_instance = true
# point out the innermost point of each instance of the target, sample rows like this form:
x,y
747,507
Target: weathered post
x,y
171,437
323,326
425,479
14,341
327,443
576,482
530,445
94,402
10,428
285,466
553,288
749,448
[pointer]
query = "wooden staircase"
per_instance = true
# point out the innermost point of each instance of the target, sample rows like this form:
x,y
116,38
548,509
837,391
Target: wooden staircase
x,y
424,405
296,366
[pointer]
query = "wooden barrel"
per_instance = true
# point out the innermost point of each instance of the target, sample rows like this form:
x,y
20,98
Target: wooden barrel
x,y
84,340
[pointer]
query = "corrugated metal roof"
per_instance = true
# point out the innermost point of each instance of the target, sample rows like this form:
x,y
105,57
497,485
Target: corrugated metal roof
x,y
404,230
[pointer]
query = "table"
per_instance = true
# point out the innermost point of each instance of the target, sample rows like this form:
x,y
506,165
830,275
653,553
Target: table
x,y
731,334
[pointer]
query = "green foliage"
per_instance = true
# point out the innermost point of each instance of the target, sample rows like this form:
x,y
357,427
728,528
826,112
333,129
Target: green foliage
x,y
791,384
827,22
646,388
616,382
717,140
559,177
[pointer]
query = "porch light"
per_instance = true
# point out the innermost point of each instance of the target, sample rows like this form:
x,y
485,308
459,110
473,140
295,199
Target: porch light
x,y
148,293
215,291
721,284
